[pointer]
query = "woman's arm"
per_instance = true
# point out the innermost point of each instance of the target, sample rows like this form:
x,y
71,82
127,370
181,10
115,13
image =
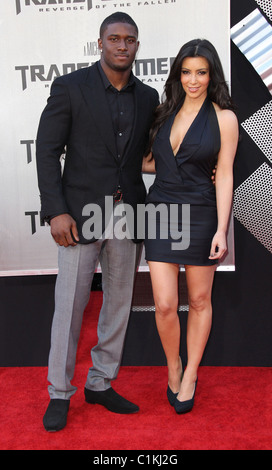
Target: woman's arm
x,y
148,165
224,179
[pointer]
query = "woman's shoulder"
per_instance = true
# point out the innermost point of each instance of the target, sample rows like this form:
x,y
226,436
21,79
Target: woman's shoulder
x,y
226,117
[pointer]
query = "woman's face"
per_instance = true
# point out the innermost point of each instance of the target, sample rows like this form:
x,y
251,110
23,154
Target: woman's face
x,y
195,76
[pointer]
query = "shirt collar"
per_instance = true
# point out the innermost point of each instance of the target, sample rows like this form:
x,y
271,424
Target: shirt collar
x,y
107,84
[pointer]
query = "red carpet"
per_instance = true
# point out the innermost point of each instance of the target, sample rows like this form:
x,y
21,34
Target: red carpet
x,y
233,409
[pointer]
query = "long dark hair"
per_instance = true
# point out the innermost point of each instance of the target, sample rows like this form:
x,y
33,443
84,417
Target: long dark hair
x,y
174,94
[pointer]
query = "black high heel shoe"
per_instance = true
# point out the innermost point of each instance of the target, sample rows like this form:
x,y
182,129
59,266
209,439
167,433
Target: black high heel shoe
x,y
171,396
185,406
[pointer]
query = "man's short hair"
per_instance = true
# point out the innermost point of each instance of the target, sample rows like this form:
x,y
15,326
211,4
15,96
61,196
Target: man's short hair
x,y
118,17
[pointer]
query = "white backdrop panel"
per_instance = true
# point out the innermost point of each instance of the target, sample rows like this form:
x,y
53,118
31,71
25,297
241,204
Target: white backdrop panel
x,y
41,39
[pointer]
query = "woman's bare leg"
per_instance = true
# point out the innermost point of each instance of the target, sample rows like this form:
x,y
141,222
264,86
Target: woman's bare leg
x,y
164,278
199,283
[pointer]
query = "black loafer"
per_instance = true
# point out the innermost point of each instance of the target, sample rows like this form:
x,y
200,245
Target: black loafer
x,y
55,417
111,400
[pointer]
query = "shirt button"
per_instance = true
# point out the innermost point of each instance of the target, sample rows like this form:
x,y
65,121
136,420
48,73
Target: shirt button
x,y
120,134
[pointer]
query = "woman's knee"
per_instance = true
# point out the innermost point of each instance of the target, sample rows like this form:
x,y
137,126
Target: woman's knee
x,y
165,307
200,302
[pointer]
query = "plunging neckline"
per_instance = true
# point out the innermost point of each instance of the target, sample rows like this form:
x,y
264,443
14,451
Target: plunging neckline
x,y
188,130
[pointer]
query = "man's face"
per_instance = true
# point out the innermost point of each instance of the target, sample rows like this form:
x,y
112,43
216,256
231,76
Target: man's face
x,y
119,45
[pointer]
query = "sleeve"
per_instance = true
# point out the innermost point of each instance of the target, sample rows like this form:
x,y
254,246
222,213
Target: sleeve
x,y
53,131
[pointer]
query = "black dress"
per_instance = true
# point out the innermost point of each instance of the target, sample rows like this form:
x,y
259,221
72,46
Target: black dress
x,y
183,183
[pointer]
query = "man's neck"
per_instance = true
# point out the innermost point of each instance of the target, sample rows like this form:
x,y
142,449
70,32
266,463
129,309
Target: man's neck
x,y
117,78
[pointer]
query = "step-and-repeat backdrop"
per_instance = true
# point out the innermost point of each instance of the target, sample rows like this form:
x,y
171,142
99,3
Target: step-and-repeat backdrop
x,y
43,39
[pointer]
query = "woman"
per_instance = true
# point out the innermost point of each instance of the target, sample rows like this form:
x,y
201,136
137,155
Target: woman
x,y
195,128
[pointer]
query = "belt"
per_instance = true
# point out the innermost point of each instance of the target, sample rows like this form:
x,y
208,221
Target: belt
x,y
117,196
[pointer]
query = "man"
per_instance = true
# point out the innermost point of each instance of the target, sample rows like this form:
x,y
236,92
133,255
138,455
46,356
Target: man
x,y
101,116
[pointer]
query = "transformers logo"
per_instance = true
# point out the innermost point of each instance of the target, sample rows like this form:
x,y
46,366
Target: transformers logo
x,y
21,3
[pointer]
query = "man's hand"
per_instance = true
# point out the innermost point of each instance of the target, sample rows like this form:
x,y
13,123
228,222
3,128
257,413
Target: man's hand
x,y
62,228
213,174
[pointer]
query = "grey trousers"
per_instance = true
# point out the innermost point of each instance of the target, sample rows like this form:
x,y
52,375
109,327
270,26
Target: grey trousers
x,y
118,259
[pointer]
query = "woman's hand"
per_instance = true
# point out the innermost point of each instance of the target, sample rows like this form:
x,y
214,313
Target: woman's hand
x,y
218,246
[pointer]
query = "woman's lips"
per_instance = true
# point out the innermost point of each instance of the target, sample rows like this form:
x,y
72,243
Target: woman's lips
x,y
193,89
